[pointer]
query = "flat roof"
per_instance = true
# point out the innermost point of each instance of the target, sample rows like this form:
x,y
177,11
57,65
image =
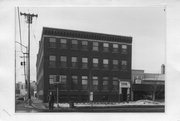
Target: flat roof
x,y
85,35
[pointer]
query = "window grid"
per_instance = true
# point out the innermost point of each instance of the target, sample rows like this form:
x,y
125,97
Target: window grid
x,y
105,63
105,83
115,48
84,82
74,82
84,62
74,44
95,62
52,61
95,83
63,81
52,42
63,61
63,43
124,64
105,47
115,84
124,49
74,61
95,46
84,45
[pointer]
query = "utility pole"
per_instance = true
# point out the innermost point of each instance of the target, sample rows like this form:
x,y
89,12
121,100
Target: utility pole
x,y
29,18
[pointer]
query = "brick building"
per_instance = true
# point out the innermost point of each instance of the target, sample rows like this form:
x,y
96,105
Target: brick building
x,y
85,64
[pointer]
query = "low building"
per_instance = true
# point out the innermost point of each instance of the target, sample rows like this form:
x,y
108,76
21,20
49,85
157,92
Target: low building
x,y
20,89
147,85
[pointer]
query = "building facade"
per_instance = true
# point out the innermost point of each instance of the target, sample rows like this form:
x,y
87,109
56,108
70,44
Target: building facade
x,y
148,85
83,66
20,89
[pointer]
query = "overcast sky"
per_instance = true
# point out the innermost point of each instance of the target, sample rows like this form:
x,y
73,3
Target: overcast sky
x,y
146,25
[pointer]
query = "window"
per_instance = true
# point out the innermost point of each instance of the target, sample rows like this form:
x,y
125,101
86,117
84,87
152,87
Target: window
x,y
84,62
95,83
74,61
105,83
124,64
95,62
63,43
105,47
105,63
95,46
115,64
52,61
115,84
84,45
84,82
63,61
74,84
74,44
115,47
124,49
52,79
62,82
52,42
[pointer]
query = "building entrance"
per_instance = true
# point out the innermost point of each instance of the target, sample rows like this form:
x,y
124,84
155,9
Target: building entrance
x,y
124,94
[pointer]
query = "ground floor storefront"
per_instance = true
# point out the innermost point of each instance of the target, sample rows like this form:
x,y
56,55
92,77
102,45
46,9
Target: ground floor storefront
x,y
148,91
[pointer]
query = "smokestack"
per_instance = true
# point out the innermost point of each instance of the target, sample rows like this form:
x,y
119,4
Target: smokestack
x,y
162,69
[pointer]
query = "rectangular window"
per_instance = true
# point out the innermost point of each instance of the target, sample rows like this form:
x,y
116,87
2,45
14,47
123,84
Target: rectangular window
x,y
95,83
52,61
84,82
52,79
124,49
95,46
105,63
52,42
74,44
84,62
124,64
95,62
62,82
84,45
74,84
115,48
115,84
105,83
74,61
63,61
105,47
115,64
63,43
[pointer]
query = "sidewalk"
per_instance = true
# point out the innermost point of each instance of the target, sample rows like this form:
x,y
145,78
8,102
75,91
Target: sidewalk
x,y
38,104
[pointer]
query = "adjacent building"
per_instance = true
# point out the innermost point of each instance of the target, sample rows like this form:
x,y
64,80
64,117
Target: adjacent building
x,y
20,89
83,66
148,85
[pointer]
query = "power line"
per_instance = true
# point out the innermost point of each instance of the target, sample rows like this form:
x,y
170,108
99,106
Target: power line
x,y
19,28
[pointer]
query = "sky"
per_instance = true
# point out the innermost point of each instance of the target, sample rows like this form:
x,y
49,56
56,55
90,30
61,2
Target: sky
x,y
146,25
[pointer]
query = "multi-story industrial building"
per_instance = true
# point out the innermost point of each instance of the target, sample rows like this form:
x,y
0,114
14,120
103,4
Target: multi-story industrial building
x,y
81,66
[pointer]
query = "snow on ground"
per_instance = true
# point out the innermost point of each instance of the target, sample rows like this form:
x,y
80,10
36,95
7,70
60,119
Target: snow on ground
x,y
139,102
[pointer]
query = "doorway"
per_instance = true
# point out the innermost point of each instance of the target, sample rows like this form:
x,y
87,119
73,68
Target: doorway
x,y
124,94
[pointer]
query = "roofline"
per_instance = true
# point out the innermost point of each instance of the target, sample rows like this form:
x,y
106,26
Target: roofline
x,y
129,38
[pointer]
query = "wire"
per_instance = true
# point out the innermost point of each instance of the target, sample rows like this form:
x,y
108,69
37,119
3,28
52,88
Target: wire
x,y
20,28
